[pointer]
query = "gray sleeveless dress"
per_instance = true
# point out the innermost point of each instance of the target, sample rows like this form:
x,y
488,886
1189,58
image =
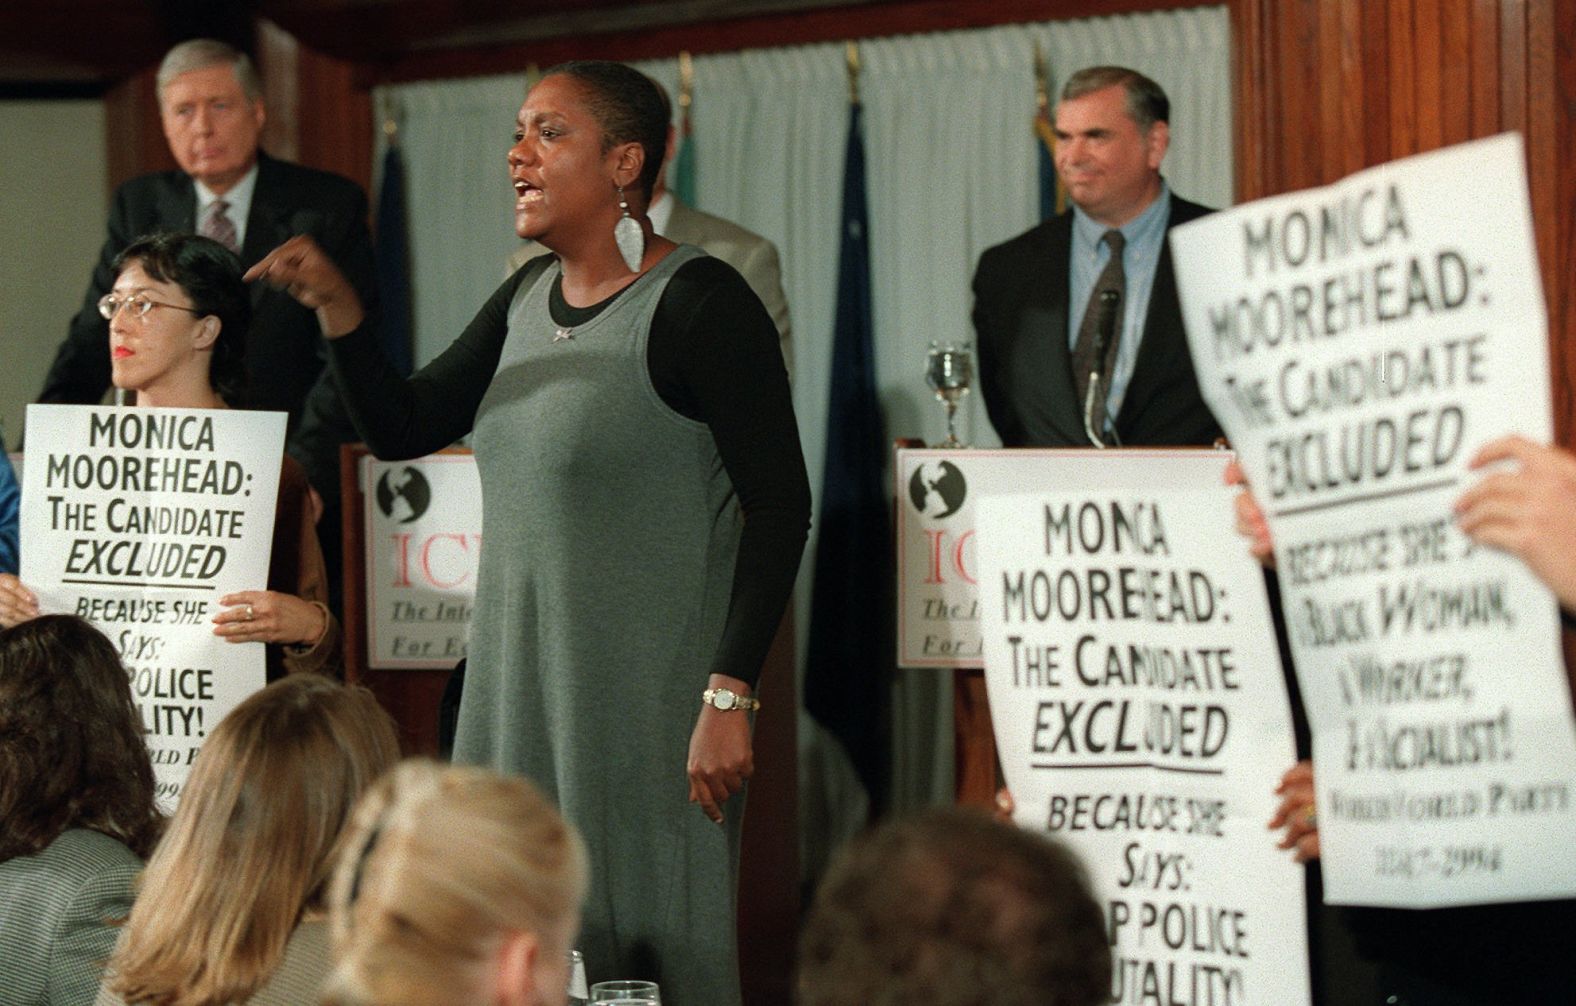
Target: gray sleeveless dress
x,y
611,531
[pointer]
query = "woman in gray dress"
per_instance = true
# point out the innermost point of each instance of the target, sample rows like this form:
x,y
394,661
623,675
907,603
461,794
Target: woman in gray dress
x,y
645,506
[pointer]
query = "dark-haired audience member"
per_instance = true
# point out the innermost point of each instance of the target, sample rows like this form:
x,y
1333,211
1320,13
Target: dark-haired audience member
x,y
231,907
1511,954
455,885
952,908
178,314
77,812
645,507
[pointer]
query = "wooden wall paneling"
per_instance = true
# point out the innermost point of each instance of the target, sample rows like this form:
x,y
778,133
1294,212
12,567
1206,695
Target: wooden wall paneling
x,y
726,35
1542,152
1402,78
1251,98
1483,31
337,135
1512,65
1296,37
1376,88
133,135
1330,90
1456,72
1427,95
1350,93
1560,289
277,56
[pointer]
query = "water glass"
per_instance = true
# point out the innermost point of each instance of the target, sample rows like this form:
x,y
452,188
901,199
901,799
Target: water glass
x,y
626,993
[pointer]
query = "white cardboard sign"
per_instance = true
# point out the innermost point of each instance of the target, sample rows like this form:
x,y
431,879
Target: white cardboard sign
x,y
1359,342
423,534
1141,716
139,520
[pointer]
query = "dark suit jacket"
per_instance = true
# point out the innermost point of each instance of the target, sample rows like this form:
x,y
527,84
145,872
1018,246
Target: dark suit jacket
x,y
1020,322
285,359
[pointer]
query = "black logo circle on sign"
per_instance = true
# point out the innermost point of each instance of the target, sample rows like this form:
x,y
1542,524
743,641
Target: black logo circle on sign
x,y
404,494
937,490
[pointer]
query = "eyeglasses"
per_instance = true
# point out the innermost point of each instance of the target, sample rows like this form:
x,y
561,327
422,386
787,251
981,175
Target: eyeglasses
x,y
109,305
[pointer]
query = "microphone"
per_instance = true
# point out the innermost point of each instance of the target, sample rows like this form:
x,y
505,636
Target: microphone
x,y
1105,331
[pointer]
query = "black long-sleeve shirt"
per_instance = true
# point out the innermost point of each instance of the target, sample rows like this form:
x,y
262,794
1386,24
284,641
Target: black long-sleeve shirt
x,y
712,357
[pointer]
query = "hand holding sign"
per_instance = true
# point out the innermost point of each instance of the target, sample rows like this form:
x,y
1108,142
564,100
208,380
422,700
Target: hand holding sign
x,y
268,616
1527,512
1296,812
17,603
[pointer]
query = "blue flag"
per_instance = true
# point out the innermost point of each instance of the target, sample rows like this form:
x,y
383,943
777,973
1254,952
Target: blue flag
x,y
1052,199
851,651
684,163
392,248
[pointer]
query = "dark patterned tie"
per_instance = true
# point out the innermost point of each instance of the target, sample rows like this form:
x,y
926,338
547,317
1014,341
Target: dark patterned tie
x,y
218,225
1104,312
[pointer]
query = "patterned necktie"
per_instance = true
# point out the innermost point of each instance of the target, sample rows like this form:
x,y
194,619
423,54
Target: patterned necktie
x,y
218,225
1104,312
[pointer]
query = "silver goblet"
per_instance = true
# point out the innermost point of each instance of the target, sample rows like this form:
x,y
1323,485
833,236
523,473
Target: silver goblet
x,y
949,369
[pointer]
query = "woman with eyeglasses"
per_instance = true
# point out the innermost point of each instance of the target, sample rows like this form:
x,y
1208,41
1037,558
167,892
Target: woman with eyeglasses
x,y
178,315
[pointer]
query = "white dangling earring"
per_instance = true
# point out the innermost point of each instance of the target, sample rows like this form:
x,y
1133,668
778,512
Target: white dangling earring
x,y
629,236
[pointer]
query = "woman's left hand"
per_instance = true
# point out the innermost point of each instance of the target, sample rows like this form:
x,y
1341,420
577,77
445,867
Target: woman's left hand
x,y
1296,813
268,616
720,753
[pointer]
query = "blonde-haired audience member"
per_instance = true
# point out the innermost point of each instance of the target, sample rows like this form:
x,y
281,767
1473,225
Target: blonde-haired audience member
x,y
456,885
230,907
76,808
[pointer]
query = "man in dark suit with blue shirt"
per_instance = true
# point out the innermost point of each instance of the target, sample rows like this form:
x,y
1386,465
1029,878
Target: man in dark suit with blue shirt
x,y
1079,329
211,107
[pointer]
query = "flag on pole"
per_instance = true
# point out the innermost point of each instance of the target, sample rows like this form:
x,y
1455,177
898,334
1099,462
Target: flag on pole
x,y
684,161
1053,198
850,651
392,248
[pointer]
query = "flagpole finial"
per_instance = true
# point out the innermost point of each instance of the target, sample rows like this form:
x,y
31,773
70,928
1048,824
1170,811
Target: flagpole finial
x,y
1042,78
852,53
686,80
391,116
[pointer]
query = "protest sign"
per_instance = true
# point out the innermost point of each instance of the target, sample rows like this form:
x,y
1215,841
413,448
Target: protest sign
x,y
937,492
139,520
1141,716
424,534
1359,342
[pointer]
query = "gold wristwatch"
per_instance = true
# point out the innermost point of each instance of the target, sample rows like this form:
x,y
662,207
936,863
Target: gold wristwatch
x,y
727,699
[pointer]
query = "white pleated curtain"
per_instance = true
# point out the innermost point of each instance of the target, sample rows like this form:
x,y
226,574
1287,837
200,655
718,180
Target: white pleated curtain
x,y
951,170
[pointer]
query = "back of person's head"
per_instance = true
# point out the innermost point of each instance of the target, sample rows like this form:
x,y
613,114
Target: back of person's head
x,y
628,106
72,753
1147,103
454,883
951,908
251,845
210,275
202,53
